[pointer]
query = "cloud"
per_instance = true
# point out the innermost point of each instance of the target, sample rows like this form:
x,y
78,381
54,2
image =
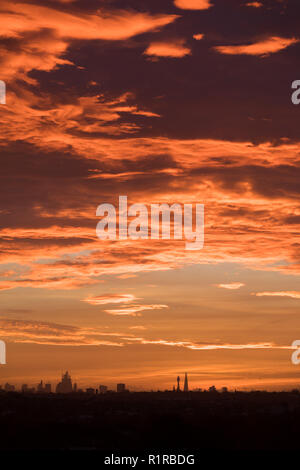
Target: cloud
x,y
84,128
19,18
134,310
55,283
193,4
291,294
41,35
218,346
110,299
138,327
60,232
198,37
231,286
175,49
211,347
254,4
126,276
260,48
46,333
88,157
53,334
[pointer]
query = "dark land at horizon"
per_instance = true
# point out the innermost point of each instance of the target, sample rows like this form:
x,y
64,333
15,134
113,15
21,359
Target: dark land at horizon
x,y
229,421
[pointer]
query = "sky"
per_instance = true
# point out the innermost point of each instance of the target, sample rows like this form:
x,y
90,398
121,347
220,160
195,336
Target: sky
x,y
165,101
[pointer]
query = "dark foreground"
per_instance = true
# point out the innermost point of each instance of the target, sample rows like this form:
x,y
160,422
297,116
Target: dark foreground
x,y
206,421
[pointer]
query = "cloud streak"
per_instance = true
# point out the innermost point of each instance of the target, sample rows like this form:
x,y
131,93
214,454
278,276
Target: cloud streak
x,y
260,48
19,18
134,310
130,306
291,294
173,49
231,285
110,299
52,334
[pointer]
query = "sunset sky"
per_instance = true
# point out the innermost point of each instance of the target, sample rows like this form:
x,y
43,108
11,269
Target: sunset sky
x,y
176,101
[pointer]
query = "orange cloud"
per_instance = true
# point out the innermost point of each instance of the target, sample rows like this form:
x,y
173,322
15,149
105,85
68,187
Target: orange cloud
x,y
239,203
237,346
198,37
291,294
231,286
260,48
193,4
254,4
134,310
18,18
57,31
46,333
175,49
63,154
138,327
198,346
110,299
211,347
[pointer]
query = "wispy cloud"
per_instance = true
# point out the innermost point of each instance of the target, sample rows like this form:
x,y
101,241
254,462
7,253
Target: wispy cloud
x,y
53,334
110,299
291,294
59,28
174,49
260,48
231,285
46,333
218,346
130,306
134,310
114,25
138,327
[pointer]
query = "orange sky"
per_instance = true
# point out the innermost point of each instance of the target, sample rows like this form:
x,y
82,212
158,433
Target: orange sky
x,y
166,104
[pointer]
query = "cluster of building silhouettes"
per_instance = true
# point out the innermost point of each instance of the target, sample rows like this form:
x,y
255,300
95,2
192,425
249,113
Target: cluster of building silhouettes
x,y
66,386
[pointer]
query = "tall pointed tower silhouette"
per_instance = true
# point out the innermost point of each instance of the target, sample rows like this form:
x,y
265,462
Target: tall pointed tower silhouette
x,y
178,384
186,384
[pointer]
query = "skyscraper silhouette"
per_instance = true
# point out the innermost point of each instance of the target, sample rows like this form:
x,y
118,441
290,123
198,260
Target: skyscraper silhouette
x,y
178,384
186,384
121,388
65,386
40,387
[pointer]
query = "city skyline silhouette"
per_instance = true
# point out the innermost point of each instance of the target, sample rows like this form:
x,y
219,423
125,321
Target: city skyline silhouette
x,y
66,386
